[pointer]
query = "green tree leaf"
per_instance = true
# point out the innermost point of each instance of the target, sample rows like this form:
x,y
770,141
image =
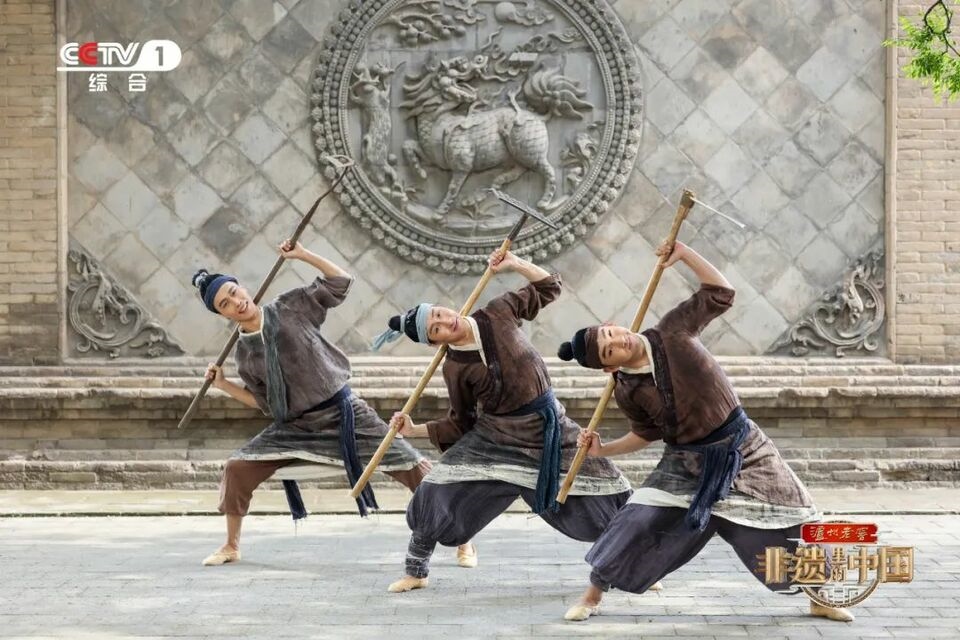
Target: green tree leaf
x,y
936,60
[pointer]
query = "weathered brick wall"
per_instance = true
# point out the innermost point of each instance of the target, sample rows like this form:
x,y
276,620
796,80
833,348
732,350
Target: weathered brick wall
x,y
927,248
29,324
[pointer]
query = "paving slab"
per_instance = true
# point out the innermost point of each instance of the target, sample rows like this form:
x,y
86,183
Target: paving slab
x,y
920,501
140,577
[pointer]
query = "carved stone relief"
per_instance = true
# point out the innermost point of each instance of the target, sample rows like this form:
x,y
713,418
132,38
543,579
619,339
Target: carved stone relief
x,y
439,100
105,319
849,317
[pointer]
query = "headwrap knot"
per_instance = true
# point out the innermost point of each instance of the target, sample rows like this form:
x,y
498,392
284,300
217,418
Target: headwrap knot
x,y
413,323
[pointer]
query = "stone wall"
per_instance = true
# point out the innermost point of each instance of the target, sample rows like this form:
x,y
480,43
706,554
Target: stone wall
x,y
237,47
866,423
29,287
927,221
771,110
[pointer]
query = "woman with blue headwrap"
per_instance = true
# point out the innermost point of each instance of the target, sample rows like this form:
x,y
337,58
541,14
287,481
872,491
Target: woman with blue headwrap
x,y
505,435
294,374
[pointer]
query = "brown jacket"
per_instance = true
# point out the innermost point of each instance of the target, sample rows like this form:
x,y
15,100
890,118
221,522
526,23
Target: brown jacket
x,y
703,399
514,375
703,396
313,368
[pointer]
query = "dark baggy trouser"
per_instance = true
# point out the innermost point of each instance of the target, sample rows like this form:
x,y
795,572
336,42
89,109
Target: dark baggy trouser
x,y
644,543
452,514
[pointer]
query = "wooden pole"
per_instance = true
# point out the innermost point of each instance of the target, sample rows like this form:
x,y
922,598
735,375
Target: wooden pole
x,y
686,203
425,378
344,164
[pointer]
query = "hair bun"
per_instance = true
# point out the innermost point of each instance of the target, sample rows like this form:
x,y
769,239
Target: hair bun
x,y
394,323
199,278
565,352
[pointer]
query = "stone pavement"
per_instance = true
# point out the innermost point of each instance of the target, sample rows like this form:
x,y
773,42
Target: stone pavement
x,y
922,501
140,577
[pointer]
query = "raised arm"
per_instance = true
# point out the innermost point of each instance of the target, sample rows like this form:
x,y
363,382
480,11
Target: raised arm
x,y
326,267
325,292
701,267
500,261
713,298
524,303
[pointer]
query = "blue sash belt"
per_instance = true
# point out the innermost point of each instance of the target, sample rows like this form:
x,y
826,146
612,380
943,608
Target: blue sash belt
x,y
721,464
548,479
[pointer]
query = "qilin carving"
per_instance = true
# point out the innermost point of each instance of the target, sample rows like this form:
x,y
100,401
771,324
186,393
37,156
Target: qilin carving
x,y
460,131
849,317
107,319
441,99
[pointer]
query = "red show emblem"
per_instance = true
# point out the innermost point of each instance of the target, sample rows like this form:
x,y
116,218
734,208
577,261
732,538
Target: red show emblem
x,y
839,533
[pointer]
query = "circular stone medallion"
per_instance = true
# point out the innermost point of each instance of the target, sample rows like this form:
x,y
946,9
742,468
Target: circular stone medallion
x,y
439,100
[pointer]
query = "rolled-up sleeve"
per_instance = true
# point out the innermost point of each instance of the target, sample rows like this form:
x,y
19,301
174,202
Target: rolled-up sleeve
x,y
696,312
258,388
328,292
526,303
314,299
640,421
645,429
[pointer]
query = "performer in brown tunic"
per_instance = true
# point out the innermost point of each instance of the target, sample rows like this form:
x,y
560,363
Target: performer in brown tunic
x,y
505,435
292,373
719,474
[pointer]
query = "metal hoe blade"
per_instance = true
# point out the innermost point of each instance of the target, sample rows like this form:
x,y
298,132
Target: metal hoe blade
x,y
720,213
522,207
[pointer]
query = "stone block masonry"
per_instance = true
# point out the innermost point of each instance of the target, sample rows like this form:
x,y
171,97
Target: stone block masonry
x,y
788,82
859,424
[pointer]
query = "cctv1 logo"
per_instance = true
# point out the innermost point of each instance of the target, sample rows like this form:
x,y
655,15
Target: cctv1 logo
x,y
153,55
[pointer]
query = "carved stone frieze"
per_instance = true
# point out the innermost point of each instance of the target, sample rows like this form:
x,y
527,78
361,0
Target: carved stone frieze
x,y
438,100
849,317
104,317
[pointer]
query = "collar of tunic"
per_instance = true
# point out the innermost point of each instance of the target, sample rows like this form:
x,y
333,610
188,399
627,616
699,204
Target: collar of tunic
x,y
647,368
476,345
252,335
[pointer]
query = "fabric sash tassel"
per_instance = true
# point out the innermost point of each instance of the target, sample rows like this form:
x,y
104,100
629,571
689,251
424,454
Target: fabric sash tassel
x,y
548,478
721,462
294,500
348,449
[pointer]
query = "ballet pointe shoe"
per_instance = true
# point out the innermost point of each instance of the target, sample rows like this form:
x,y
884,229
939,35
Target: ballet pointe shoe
x,y
830,613
467,555
656,586
408,583
580,612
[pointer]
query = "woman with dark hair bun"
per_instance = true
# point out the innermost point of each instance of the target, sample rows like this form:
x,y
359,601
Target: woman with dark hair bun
x,y
292,373
719,474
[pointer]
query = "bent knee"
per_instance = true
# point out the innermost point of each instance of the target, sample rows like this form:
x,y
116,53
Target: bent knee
x,y
234,467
